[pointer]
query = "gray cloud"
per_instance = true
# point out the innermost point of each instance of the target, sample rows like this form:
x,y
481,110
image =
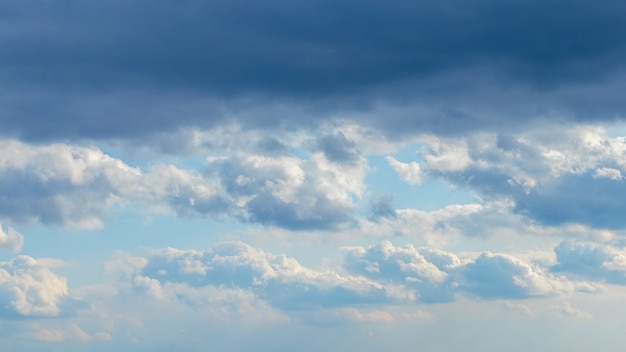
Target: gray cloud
x,y
381,207
559,175
338,148
591,261
112,69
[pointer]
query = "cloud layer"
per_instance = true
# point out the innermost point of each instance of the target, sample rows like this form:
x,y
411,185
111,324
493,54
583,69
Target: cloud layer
x,y
141,68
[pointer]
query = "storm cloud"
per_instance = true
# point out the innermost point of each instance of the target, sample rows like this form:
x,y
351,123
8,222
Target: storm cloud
x,y
92,69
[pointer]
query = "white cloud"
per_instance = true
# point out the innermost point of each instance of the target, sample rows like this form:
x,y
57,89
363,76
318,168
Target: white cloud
x,y
291,192
11,239
446,155
440,276
279,280
77,186
59,184
409,172
543,171
28,288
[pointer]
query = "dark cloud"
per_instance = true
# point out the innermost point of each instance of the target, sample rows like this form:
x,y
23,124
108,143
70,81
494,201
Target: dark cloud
x,y
338,148
579,199
72,69
381,207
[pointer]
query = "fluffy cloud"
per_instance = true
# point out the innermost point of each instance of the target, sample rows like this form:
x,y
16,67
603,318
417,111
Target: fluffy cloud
x,y
77,186
379,274
279,280
502,276
29,289
404,266
409,172
11,239
59,184
543,173
439,276
291,192
591,261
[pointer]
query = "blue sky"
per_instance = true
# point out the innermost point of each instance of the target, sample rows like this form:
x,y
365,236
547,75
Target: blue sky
x,y
312,175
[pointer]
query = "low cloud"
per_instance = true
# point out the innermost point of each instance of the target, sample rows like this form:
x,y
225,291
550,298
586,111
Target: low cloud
x,y
11,239
279,280
591,261
29,289
440,276
74,186
378,275
542,173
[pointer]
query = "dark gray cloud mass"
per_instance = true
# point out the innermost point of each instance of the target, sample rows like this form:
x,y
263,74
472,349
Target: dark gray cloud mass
x,y
103,69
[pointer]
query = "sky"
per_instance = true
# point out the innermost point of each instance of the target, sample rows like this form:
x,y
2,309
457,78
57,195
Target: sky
x,y
312,175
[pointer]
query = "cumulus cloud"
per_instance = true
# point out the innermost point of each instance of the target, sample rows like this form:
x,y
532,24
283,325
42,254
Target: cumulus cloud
x,y
11,239
502,276
59,184
279,280
542,172
440,276
404,266
74,186
591,261
409,172
291,192
29,289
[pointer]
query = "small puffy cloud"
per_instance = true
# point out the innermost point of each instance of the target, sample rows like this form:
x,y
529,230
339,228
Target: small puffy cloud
x,y
409,172
29,289
11,239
